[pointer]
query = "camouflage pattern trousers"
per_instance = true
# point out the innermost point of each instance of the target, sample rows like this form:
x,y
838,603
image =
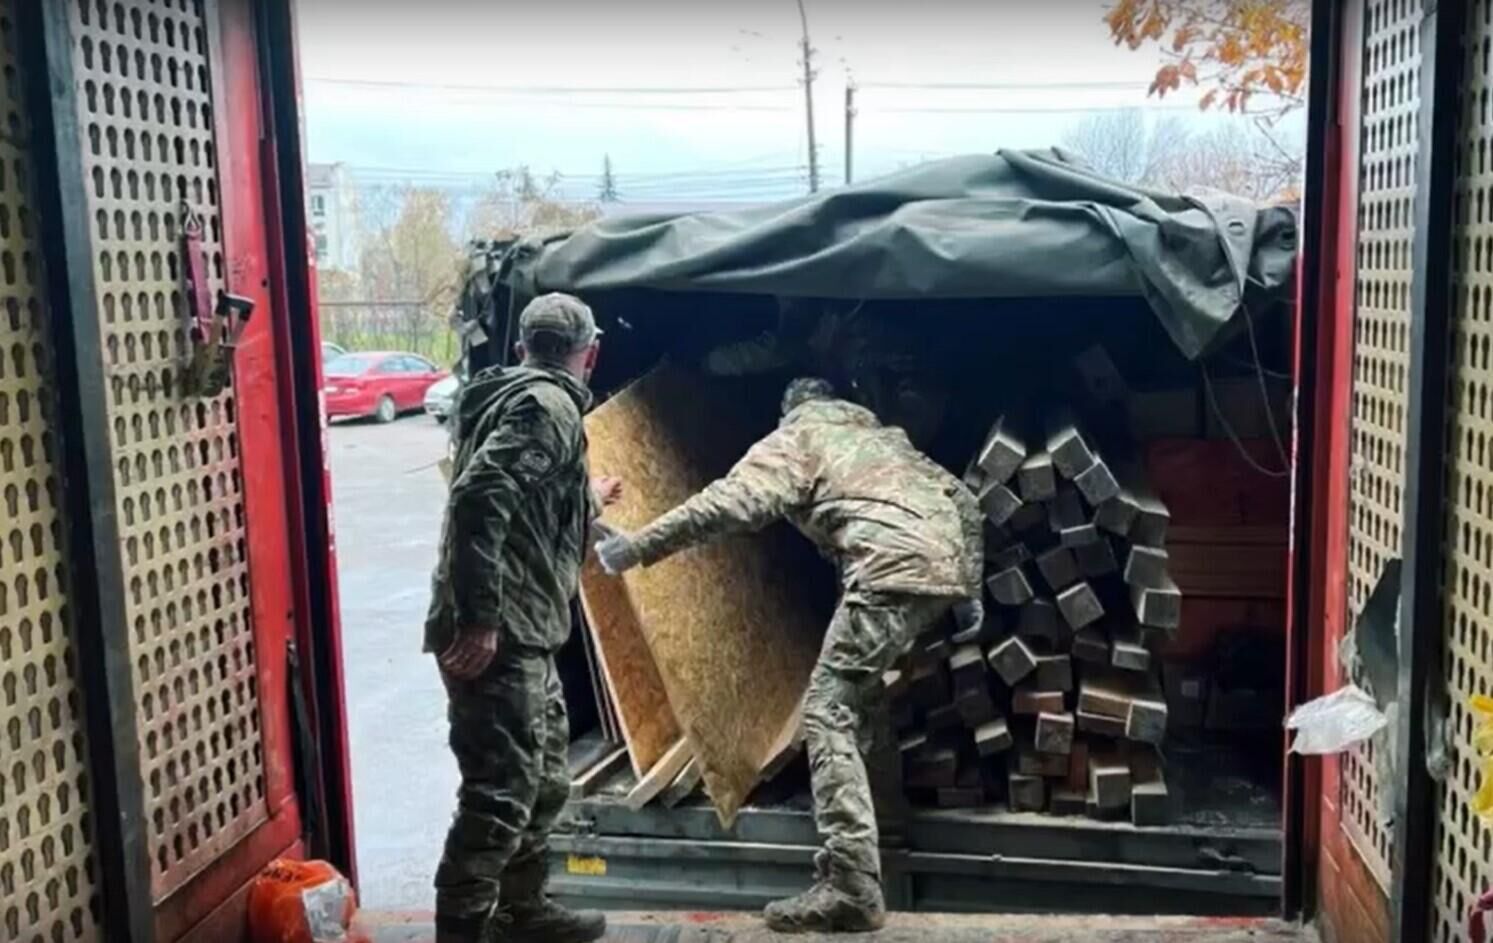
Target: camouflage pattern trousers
x,y
509,732
847,719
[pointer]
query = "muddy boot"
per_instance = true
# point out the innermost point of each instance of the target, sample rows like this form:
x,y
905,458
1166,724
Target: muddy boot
x,y
844,901
541,920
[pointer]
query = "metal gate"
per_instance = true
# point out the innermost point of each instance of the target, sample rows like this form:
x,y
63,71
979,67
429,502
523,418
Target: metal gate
x,y
148,539
1419,481
1381,351
1463,846
46,882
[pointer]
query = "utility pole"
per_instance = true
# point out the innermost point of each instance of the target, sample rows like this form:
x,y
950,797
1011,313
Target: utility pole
x,y
808,55
849,130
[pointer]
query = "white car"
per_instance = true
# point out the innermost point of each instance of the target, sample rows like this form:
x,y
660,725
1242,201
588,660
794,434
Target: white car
x,y
441,397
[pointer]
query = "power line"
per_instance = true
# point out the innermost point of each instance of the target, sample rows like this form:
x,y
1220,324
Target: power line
x,y
656,176
556,89
1002,86
1042,110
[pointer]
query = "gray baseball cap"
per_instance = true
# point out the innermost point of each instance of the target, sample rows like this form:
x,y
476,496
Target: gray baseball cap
x,y
556,325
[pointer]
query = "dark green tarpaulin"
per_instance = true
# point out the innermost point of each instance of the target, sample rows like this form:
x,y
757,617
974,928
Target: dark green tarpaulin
x,y
1012,224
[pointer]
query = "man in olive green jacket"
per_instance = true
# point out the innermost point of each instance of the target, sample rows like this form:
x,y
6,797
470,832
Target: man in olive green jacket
x,y
907,538
518,520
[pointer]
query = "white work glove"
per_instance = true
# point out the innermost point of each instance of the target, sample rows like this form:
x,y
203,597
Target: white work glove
x,y
969,613
617,554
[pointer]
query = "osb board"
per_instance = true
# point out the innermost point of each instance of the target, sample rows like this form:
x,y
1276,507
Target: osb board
x,y
637,692
734,626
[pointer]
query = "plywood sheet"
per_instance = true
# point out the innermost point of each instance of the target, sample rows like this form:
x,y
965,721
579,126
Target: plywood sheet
x,y
734,627
637,691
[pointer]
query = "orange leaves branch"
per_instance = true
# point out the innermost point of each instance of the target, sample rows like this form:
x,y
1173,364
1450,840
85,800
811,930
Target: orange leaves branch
x,y
1249,48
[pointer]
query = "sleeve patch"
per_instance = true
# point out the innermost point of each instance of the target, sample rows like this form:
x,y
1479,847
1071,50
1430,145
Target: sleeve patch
x,y
534,462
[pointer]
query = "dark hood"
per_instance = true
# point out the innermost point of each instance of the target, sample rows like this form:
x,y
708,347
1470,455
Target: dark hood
x,y
495,385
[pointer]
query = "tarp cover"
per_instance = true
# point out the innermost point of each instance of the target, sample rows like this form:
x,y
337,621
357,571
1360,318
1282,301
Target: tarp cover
x,y
1016,224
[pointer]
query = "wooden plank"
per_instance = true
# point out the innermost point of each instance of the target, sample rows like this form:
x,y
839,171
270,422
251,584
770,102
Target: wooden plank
x,y
683,785
1097,483
1159,608
632,679
993,737
1036,479
1026,793
660,776
1096,559
587,782
733,628
1012,660
1080,605
1129,649
1065,443
1091,647
998,502
1039,619
1028,701
1059,568
1010,587
1001,454
1146,567
1054,733
1109,780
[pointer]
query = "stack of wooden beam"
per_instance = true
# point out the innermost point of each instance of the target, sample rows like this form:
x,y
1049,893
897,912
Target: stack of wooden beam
x,y
1053,703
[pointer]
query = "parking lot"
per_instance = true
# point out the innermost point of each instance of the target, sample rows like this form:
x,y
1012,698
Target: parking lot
x,y
388,497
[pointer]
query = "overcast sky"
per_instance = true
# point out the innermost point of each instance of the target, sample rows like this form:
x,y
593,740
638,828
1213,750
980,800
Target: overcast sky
x,y
449,89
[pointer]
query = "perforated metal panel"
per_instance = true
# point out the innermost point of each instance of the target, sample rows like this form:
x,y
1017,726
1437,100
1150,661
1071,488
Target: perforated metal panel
x,y
46,880
1391,63
145,107
1464,844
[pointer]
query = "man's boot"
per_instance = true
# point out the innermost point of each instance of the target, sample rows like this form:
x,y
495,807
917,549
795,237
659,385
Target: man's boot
x,y
841,901
527,915
544,921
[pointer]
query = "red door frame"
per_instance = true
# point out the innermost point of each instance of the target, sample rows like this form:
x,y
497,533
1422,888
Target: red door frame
x,y
212,900
1334,883
291,265
292,571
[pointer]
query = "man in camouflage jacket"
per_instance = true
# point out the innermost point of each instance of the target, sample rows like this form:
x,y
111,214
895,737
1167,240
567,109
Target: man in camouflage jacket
x,y
906,537
518,520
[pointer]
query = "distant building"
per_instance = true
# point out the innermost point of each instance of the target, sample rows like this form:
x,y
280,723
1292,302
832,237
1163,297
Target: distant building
x,y
332,208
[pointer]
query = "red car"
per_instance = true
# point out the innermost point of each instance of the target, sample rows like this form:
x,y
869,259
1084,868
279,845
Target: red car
x,y
381,384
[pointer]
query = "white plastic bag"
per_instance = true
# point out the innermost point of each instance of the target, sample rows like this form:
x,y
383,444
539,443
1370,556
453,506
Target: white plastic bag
x,y
1336,722
327,907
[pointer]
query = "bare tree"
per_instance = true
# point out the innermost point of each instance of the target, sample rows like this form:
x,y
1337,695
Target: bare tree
x,y
1125,145
406,276
1238,156
519,203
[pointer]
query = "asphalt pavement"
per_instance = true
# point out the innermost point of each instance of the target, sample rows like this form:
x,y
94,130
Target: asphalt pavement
x,y
387,503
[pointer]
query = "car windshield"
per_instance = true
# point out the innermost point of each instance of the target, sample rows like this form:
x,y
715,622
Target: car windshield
x,y
349,365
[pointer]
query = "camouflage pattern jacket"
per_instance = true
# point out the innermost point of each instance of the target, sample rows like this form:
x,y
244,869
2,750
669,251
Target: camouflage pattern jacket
x,y
889,517
519,511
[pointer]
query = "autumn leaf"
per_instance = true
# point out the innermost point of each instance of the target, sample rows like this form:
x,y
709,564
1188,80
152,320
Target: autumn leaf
x,y
1250,48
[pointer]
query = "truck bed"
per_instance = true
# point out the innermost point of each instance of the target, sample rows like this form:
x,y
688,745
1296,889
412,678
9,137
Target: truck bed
x,y
1220,856
634,927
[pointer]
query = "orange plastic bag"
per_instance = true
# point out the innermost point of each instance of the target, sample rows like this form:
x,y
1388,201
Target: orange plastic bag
x,y
300,902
